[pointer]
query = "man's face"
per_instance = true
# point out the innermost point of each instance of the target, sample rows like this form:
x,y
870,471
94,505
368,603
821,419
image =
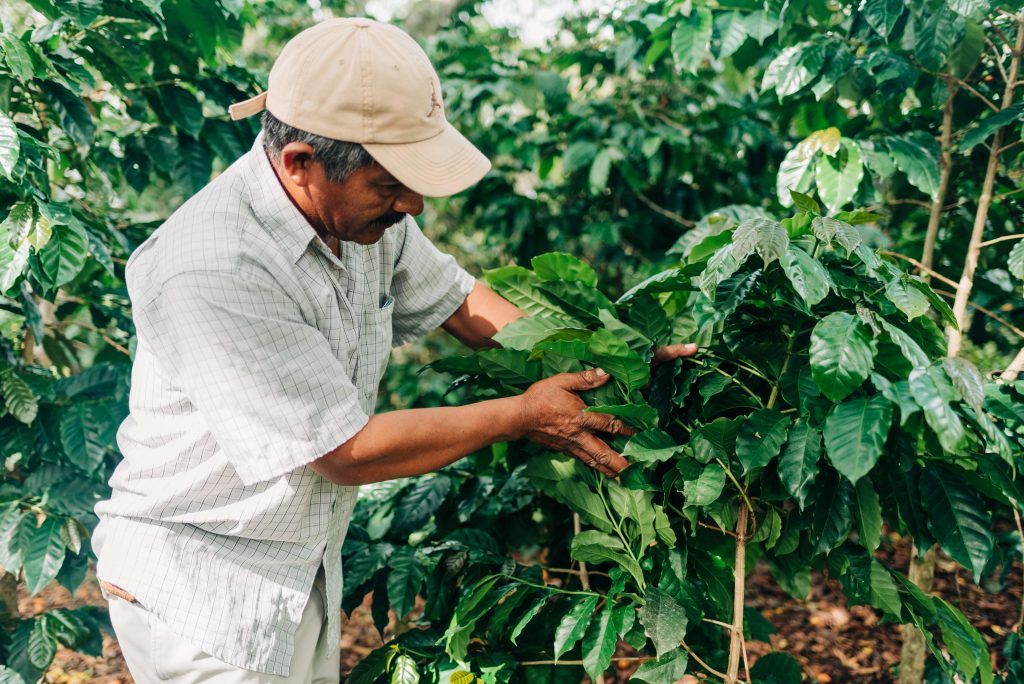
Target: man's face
x,y
363,206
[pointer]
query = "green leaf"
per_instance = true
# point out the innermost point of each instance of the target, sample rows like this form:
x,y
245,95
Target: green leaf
x,y
17,57
44,555
804,202
808,276
967,380
614,356
1015,262
664,621
9,676
404,580
669,668
64,255
562,266
516,284
183,108
600,170
884,594
968,648
968,50
18,397
10,147
403,670
708,486
917,155
14,249
869,515
74,116
573,625
81,435
833,516
523,333
719,267
795,67
798,465
648,316
855,433
193,165
42,646
776,668
650,446
938,303
639,416
760,438
882,15
600,639
526,617
591,546
907,298
418,503
932,391
939,27
510,365
767,237
732,31
842,354
838,176
691,39
986,127
957,517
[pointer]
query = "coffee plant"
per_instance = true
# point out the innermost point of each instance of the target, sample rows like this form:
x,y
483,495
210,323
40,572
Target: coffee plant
x,y
820,412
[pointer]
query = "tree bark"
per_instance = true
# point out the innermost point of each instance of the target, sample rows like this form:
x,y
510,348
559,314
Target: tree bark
x,y
921,573
738,595
963,290
9,595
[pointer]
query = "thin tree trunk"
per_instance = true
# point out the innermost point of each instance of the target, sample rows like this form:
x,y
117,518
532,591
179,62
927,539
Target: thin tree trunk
x,y
963,291
738,596
1015,368
921,573
946,168
8,595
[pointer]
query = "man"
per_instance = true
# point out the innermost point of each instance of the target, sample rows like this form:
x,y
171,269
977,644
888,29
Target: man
x,y
266,307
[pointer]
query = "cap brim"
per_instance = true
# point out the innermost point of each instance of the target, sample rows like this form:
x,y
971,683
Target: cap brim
x,y
436,167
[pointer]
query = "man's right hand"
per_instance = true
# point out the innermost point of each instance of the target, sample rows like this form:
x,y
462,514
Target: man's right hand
x,y
554,417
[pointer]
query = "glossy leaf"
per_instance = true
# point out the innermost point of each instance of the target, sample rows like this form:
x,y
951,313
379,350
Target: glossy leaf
x,y
64,255
967,380
760,438
404,580
691,39
957,517
798,465
869,514
82,437
855,433
838,177
842,355
917,156
403,670
10,147
833,516
882,15
599,641
43,556
808,276
932,391
664,621
572,627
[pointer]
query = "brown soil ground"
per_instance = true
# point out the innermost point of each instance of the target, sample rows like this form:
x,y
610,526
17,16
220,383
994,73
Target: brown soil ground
x,y
832,641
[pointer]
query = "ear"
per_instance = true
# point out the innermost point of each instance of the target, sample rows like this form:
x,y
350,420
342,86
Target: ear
x,y
297,162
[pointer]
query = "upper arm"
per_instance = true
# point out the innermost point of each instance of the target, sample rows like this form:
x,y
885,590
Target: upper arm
x,y
266,382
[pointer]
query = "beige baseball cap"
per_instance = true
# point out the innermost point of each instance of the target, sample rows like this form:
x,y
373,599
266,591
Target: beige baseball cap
x,y
361,81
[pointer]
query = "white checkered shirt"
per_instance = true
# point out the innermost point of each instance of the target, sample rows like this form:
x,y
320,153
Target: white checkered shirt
x,y
258,352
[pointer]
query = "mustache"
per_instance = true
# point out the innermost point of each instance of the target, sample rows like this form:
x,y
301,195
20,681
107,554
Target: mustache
x,y
387,220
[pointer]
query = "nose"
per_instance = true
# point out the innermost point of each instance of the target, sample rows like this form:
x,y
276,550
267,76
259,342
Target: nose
x,y
409,202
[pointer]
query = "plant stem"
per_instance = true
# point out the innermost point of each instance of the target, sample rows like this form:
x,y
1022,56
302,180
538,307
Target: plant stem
x,y
1014,369
736,644
963,291
1003,238
921,573
584,577
742,386
548,587
946,167
1020,532
700,662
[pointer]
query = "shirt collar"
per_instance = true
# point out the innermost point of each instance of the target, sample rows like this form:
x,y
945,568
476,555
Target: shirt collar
x,y
272,206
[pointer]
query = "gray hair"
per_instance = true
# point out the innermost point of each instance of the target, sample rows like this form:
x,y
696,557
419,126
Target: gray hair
x,y
339,158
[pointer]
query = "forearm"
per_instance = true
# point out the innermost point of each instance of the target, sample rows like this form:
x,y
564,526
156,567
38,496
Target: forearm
x,y
481,316
418,441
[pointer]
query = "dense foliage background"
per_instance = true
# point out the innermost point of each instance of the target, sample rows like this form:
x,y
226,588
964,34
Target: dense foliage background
x,y
627,140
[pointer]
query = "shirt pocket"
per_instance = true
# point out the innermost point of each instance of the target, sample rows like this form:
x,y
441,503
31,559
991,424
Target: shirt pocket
x,y
375,345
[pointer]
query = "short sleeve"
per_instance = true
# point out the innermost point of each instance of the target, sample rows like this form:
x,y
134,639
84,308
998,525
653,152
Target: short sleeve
x,y
428,286
271,391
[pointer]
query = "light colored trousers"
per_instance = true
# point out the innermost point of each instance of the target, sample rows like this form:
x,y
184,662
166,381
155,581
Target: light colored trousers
x,y
155,654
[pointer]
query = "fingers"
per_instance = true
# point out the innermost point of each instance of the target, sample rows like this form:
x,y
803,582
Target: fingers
x,y
598,455
603,422
670,352
588,379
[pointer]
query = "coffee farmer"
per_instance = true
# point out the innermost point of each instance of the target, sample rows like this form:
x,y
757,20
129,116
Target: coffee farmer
x,y
266,308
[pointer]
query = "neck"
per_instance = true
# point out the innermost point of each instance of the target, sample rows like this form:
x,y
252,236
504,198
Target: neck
x,y
300,198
